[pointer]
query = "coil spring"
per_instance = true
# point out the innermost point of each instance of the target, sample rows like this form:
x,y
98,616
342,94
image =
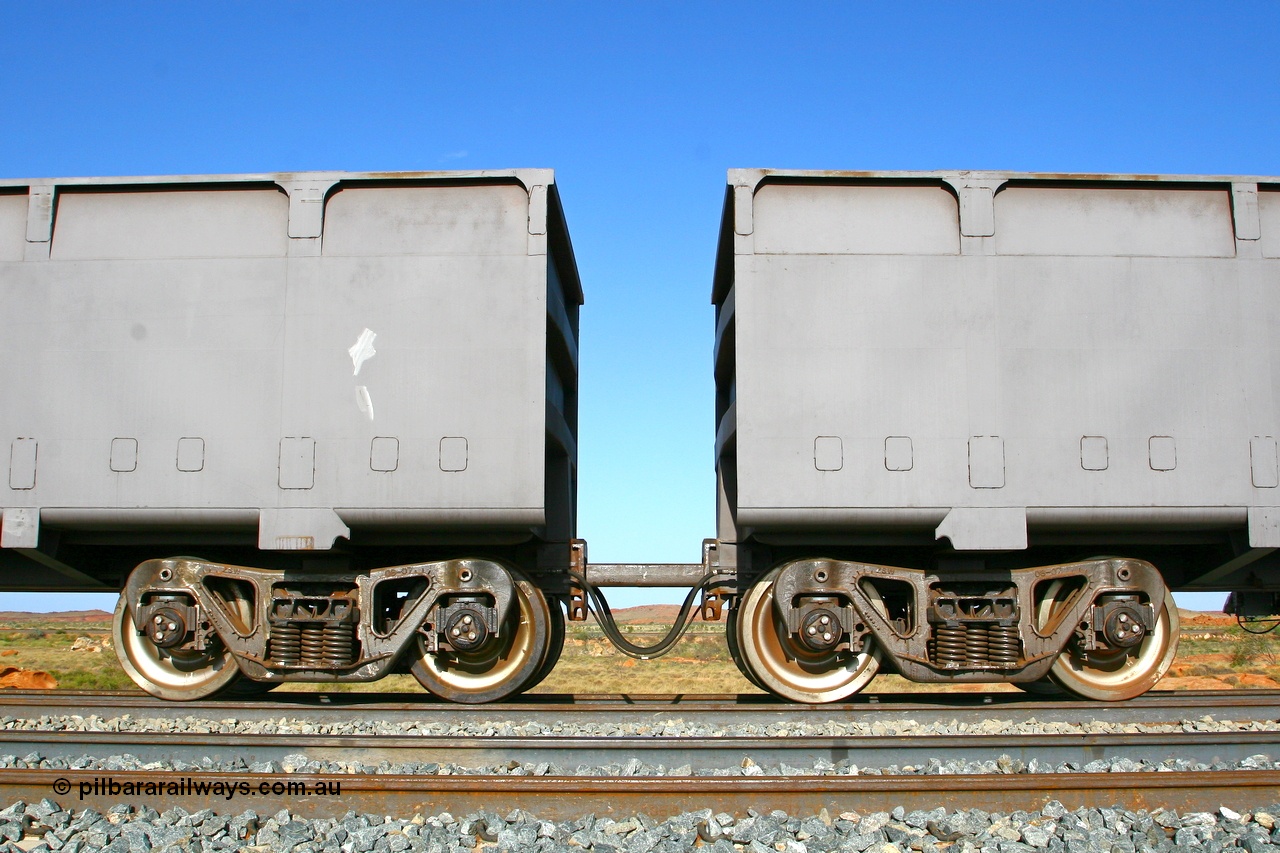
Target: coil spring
x,y
976,651
339,644
948,644
1004,644
313,645
975,645
286,644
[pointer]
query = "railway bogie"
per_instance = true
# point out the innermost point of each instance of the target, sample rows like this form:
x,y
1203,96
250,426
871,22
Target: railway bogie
x,y
471,630
818,630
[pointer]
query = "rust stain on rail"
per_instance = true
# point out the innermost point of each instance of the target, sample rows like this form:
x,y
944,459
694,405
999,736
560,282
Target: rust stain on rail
x,y
563,798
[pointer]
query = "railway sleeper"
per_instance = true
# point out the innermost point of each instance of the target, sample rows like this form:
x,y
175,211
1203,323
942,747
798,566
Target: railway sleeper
x,y
818,630
470,630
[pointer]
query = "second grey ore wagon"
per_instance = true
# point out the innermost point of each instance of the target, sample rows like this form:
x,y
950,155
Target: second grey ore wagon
x,y
973,426
322,426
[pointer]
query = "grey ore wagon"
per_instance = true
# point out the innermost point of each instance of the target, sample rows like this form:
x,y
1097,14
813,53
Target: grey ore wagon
x,y
341,407
973,426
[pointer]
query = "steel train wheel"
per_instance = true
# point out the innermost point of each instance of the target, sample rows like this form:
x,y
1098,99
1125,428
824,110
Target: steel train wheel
x,y
172,674
735,653
500,668
555,645
791,671
1113,675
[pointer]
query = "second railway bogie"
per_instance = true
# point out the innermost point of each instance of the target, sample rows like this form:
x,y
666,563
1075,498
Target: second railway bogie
x,y
819,630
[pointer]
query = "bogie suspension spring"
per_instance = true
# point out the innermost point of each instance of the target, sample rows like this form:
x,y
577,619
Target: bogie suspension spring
x,y
975,644
314,645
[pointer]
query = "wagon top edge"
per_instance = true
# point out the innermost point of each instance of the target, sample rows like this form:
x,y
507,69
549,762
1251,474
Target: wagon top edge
x,y
527,177
753,177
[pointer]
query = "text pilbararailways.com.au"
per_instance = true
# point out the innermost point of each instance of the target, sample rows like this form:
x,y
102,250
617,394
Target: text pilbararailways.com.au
x,y
188,786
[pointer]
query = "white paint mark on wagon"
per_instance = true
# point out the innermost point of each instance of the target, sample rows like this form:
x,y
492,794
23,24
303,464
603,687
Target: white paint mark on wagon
x,y
362,351
364,401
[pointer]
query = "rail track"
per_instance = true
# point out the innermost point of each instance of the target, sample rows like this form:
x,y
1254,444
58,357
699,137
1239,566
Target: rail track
x,y
321,707
480,772
564,798
694,754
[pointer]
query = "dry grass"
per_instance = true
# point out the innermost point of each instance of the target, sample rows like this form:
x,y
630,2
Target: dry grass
x,y
1222,655
47,647
699,664
1216,656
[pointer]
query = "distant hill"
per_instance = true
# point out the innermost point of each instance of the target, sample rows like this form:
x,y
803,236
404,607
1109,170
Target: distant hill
x,y
1205,618
75,616
648,614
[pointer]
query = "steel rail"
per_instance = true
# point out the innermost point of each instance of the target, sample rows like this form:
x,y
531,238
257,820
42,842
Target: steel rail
x,y
567,798
721,710
699,754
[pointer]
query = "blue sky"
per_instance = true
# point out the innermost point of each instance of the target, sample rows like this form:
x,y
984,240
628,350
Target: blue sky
x,y
640,109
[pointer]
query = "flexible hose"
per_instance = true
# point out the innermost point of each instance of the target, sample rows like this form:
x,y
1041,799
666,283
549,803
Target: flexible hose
x,y
1247,623
610,627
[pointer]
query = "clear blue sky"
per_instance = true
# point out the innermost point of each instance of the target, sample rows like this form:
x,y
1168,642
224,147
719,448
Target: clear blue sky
x,y
640,109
